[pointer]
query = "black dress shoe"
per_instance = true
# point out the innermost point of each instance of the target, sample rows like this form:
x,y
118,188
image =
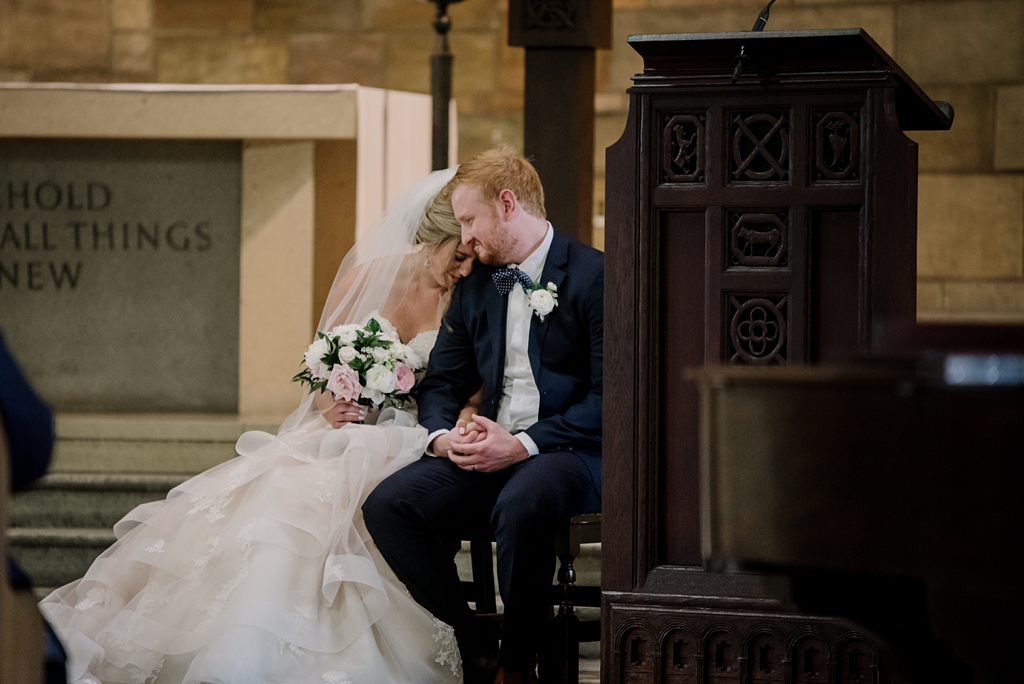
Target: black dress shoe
x,y
477,672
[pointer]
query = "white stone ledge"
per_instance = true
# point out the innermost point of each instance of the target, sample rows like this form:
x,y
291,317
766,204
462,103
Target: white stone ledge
x,y
161,111
156,427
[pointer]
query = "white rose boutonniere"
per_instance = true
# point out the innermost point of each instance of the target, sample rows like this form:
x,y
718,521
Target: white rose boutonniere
x,y
543,300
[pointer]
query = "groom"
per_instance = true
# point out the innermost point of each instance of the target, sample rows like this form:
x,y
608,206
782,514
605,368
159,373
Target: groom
x,y
530,458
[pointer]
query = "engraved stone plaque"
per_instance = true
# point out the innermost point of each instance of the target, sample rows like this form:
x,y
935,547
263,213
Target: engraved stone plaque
x,y
119,271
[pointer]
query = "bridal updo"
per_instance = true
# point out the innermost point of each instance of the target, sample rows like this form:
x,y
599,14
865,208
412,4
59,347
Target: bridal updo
x,y
439,225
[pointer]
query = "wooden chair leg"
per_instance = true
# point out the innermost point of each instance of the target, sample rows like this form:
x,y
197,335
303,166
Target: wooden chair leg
x,y
561,664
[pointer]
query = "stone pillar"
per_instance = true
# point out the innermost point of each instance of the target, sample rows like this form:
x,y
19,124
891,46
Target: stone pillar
x,y
560,40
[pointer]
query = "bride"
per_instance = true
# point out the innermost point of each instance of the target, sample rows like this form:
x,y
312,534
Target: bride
x,y
261,569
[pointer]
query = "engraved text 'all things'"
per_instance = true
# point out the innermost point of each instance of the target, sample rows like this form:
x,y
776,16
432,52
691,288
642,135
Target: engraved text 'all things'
x,y
47,226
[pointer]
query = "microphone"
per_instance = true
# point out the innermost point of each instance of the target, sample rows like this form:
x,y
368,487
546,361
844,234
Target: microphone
x,y
762,18
759,25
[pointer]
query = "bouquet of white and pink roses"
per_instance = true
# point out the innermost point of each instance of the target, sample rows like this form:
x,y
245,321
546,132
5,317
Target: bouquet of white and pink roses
x,y
367,364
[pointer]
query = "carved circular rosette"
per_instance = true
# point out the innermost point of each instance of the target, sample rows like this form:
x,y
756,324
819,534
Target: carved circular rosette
x,y
837,146
683,148
757,331
766,139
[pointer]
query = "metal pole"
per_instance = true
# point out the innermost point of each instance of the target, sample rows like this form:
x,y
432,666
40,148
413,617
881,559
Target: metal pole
x,y
441,85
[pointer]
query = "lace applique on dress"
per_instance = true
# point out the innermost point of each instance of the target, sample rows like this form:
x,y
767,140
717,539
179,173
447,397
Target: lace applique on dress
x,y
155,595
93,598
334,573
247,534
449,647
324,483
212,504
336,677
155,547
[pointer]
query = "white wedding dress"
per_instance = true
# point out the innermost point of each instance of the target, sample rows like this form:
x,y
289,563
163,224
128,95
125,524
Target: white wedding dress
x,y
261,570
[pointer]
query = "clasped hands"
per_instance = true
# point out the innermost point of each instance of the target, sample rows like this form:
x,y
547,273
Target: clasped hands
x,y
480,445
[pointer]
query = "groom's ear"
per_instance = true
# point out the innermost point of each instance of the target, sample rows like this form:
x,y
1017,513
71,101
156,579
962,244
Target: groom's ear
x,y
507,203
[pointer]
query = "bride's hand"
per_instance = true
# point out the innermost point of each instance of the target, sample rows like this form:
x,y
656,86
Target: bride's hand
x,y
342,412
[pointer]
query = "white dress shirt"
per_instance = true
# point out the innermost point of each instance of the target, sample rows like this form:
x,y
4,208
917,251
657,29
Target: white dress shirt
x,y
519,407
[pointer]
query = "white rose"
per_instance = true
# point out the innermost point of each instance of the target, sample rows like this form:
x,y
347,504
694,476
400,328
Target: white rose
x,y
386,327
542,302
413,359
376,396
347,334
380,355
346,354
381,379
314,353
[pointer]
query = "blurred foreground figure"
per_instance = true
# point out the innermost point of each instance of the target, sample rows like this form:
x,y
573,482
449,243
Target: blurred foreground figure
x,y
26,643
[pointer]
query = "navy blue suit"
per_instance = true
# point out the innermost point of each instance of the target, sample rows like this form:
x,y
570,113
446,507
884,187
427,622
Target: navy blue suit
x,y
413,513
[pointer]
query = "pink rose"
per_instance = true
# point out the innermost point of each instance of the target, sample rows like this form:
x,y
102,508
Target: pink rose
x,y
404,378
344,383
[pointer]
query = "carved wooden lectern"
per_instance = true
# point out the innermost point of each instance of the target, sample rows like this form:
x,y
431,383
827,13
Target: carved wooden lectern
x,y
761,209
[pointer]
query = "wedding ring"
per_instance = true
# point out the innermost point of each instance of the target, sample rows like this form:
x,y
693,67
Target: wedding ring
x,y
472,467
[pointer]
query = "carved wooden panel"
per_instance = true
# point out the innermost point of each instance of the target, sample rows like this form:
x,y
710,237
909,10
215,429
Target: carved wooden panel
x,y
714,644
758,240
760,146
757,329
679,659
836,145
767,659
812,659
722,650
683,148
551,15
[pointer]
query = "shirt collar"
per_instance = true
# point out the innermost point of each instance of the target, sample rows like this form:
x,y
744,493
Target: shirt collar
x,y
533,265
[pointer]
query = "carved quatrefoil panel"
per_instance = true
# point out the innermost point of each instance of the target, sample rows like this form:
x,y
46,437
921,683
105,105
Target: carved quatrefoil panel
x,y
757,329
683,148
760,147
758,240
836,146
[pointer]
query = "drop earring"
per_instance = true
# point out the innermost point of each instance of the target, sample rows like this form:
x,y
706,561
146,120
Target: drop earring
x,y
426,264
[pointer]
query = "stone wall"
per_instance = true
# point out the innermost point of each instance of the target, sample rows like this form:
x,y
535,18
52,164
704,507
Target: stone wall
x,y
969,52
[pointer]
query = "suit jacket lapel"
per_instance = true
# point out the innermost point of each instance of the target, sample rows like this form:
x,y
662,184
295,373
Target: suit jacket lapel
x,y
553,272
496,310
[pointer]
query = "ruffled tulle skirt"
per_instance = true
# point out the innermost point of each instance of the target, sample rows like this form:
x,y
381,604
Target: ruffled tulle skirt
x,y
259,570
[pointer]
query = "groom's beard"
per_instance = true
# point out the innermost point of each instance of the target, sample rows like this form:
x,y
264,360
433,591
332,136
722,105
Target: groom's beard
x,y
501,245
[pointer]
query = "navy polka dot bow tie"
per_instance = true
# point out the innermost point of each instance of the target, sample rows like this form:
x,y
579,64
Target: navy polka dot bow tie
x,y
505,279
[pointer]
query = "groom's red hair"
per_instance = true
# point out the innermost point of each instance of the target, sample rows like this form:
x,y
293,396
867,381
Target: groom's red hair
x,y
502,168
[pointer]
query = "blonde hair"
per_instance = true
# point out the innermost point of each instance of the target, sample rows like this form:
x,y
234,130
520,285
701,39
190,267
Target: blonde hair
x,y
439,224
497,169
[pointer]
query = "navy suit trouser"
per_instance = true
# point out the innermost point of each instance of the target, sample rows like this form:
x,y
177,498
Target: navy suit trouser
x,y
415,513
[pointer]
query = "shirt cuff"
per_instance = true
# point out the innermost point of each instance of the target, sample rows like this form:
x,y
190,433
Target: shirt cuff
x,y
429,451
531,446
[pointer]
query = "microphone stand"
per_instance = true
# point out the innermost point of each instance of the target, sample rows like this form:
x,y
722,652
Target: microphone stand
x,y
759,25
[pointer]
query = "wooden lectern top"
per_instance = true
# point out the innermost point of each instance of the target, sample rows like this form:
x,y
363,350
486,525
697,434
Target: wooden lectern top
x,y
786,58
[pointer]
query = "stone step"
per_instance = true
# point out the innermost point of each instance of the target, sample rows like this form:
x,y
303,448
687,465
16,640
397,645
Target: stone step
x,y
87,500
148,443
52,557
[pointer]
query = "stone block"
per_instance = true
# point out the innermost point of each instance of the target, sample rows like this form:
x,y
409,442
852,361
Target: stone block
x,y
222,60
607,129
131,15
306,15
961,42
1009,135
475,64
878,20
476,57
203,15
132,53
929,298
625,62
479,133
970,226
406,15
54,35
999,301
346,57
628,4
968,145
